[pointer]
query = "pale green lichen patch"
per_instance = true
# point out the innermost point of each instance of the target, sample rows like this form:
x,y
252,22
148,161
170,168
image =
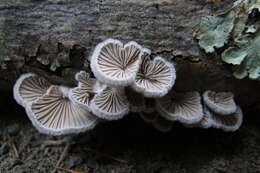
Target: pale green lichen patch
x,y
247,55
239,29
213,32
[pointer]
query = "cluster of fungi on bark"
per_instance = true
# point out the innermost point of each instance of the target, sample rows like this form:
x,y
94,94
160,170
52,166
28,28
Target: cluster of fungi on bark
x,y
127,78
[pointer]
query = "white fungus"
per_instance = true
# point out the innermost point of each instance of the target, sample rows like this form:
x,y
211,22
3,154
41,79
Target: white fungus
x,y
228,123
29,87
183,107
116,64
221,103
155,77
110,104
85,90
55,114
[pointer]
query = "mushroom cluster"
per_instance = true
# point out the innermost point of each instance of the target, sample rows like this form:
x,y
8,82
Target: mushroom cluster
x,y
49,107
221,111
212,109
124,74
126,78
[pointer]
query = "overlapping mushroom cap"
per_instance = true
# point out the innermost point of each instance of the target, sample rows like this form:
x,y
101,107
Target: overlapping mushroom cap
x,y
85,90
183,107
126,79
29,87
227,123
111,103
54,113
155,77
116,64
207,120
221,103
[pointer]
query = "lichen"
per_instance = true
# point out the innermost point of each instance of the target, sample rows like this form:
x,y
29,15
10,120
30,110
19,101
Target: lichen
x,y
245,56
239,30
214,31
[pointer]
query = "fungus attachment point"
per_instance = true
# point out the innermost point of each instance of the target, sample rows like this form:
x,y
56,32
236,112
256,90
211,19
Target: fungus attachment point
x,y
150,105
116,64
206,121
183,107
162,124
85,91
55,114
221,103
149,117
155,77
110,104
136,100
29,87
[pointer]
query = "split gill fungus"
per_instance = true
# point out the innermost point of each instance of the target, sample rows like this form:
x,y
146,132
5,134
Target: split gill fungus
x,y
127,78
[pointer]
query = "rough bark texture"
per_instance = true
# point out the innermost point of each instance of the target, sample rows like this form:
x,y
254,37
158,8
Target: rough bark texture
x,y
33,28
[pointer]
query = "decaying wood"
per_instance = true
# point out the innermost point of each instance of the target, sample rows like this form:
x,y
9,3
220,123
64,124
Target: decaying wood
x,y
31,29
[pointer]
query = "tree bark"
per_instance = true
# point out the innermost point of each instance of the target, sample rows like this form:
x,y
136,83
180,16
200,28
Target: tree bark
x,y
71,29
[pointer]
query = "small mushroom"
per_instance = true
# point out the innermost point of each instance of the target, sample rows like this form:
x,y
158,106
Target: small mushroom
x,y
28,88
162,124
155,77
110,104
183,107
221,103
227,123
136,100
55,114
85,91
148,117
116,64
206,121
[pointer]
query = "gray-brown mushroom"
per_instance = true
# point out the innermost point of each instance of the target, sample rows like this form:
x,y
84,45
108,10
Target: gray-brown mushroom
x,y
220,102
227,123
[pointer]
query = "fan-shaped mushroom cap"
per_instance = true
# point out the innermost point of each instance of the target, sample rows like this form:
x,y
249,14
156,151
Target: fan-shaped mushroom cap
x,y
55,114
162,124
116,64
149,117
85,90
155,77
29,87
228,123
136,100
183,107
110,104
221,103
